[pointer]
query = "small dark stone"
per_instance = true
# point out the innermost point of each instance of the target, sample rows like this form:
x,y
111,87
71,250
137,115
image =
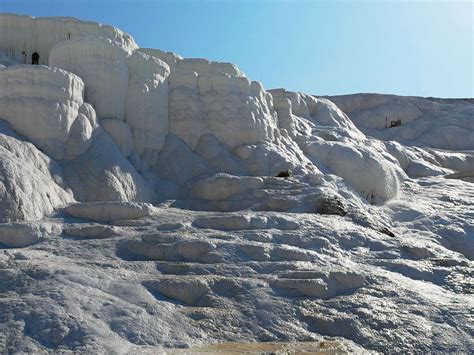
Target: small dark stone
x,y
334,206
386,231
285,173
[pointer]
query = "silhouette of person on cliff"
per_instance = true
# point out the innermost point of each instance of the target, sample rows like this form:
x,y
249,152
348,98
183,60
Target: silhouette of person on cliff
x,y
35,58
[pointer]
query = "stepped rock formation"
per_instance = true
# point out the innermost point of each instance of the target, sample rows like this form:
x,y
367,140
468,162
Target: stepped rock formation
x,y
178,121
42,104
31,184
365,240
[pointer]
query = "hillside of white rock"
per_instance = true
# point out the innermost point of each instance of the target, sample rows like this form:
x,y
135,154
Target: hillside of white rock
x,y
140,207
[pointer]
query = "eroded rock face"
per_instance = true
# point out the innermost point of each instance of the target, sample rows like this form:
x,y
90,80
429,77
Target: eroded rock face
x,y
103,173
366,170
232,108
139,97
178,163
333,143
298,113
31,184
373,111
436,123
210,107
103,66
169,58
45,104
204,66
41,103
121,134
147,103
21,36
80,137
247,256
175,124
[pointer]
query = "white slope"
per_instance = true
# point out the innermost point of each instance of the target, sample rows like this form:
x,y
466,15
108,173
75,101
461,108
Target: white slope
x,y
370,241
31,184
102,173
180,278
46,106
425,122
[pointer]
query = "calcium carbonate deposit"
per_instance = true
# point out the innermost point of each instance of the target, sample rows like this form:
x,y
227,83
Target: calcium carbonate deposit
x,y
152,202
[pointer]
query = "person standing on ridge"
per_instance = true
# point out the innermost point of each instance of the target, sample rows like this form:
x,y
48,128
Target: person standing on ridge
x,y
35,58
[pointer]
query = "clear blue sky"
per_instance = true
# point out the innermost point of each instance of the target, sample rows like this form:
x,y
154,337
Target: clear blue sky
x,y
412,47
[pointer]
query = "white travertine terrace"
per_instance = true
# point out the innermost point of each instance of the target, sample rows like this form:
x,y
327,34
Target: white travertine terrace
x,y
147,202
177,122
21,36
102,64
41,103
147,110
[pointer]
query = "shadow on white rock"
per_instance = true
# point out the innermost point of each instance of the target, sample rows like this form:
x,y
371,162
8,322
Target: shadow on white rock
x,y
102,173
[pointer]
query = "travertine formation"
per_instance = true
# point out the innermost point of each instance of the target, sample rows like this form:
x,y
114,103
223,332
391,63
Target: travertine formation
x,y
178,121
42,104
21,36
31,183
277,215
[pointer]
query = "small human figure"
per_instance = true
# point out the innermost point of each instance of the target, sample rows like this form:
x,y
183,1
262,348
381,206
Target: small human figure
x,y
395,123
285,173
35,58
69,35
23,53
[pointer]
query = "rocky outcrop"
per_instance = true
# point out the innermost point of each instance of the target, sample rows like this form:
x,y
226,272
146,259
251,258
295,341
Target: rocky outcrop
x,y
424,122
21,36
147,109
102,65
131,124
41,103
31,184
232,108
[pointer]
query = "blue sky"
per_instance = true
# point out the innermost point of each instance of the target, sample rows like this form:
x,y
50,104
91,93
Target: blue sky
x,y
415,47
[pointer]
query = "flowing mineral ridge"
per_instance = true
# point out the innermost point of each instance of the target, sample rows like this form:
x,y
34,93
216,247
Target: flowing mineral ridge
x,y
140,208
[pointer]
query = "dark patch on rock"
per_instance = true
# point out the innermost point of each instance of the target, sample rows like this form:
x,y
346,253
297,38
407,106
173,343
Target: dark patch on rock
x,y
285,173
334,206
386,231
